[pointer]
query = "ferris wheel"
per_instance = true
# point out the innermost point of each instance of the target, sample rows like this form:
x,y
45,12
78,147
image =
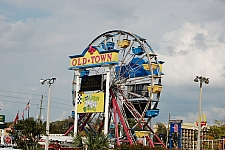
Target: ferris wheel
x,y
135,83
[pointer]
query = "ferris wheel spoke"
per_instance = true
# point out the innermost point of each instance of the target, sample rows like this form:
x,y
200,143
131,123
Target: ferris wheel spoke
x,y
119,71
123,60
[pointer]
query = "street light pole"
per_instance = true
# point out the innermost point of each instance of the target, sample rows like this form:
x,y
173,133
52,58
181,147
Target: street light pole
x,y
199,115
206,81
50,82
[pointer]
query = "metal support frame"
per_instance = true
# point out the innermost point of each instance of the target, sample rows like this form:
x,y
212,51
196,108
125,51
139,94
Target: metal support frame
x,y
106,128
116,108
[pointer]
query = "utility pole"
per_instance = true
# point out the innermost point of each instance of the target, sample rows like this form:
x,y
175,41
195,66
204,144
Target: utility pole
x,y
39,116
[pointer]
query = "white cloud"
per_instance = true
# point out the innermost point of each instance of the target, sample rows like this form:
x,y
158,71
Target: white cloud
x,y
3,106
36,38
220,112
193,50
33,88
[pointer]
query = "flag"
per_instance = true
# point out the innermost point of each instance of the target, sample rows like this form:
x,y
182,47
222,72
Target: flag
x,y
17,117
27,106
23,115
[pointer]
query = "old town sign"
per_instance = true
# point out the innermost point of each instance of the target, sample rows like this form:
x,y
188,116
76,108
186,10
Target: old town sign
x,y
94,56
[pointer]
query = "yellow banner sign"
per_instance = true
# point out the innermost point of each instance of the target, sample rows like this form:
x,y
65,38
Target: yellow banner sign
x,y
90,103
93,56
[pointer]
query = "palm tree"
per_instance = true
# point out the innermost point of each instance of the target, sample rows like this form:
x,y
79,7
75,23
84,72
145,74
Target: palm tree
x,y
77,141
93,141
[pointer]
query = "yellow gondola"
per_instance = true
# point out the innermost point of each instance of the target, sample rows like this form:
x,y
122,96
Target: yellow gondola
x,y
154,66
156,88
124,43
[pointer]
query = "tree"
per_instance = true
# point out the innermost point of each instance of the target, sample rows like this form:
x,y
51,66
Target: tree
x,y
161,131
218,130
93,141
60,127
27,133
77,140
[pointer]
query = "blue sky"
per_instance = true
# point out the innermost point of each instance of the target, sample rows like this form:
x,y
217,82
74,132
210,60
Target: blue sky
x,y
36,38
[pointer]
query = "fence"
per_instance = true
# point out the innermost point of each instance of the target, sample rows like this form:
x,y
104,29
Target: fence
x,y
218,144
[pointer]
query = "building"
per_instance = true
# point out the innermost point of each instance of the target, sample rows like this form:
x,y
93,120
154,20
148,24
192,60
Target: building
x,y
189,131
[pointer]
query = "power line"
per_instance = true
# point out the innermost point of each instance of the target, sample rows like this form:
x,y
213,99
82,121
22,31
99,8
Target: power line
x,y
16,97
59,98
31,99
19,92
35,104
34,95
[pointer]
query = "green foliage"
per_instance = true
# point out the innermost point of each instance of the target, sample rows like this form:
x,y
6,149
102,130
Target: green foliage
x,y
27,133
97,142
93,141
8,124
77,141
161,130
216,131
59,127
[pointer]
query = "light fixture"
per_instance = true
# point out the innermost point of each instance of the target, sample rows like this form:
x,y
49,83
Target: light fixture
x,y
42,81
196,79
207,81
50,82
201,79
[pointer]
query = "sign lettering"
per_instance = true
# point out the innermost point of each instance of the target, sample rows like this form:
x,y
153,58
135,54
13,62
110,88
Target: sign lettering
x,y
92,60
94,56
91,83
